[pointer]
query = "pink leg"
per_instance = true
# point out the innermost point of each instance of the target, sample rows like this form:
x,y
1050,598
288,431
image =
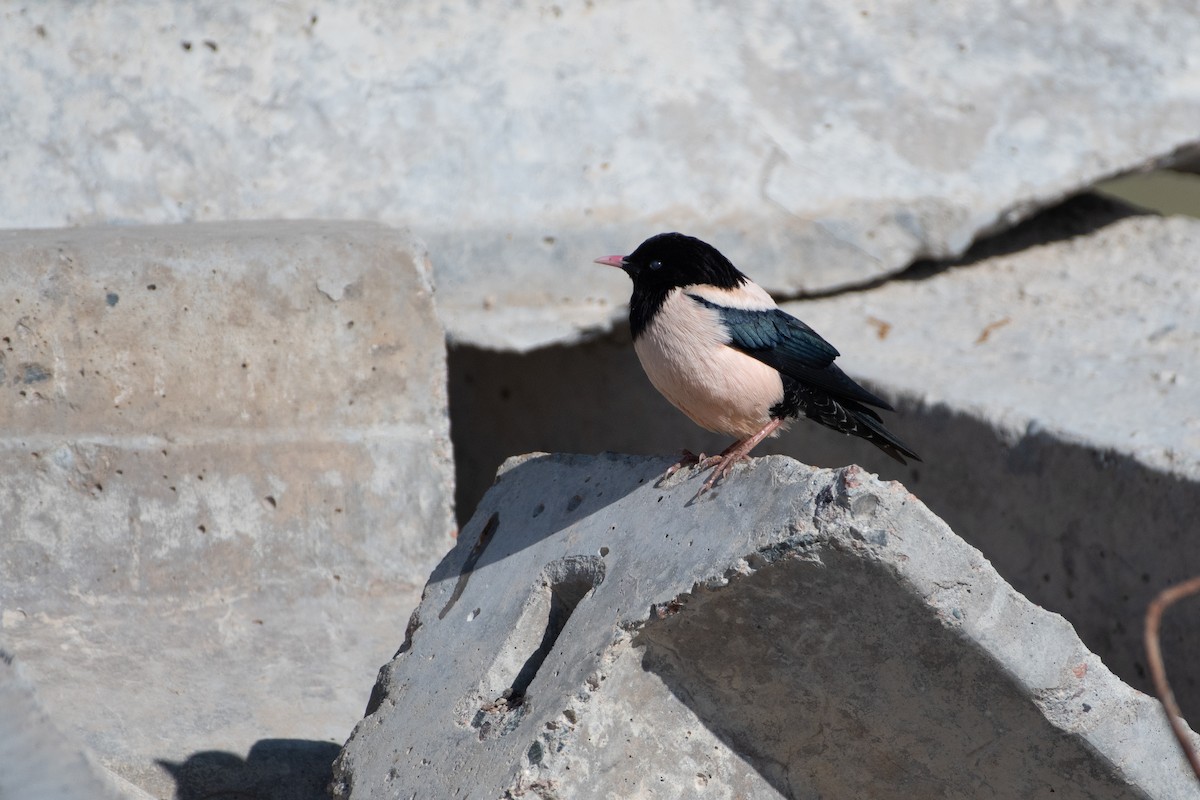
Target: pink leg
x,y
735,453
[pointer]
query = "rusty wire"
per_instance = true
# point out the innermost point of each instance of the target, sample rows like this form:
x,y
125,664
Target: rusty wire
x,y
1158,673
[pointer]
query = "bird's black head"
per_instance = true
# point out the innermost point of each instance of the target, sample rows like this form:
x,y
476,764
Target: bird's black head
x,y
669,261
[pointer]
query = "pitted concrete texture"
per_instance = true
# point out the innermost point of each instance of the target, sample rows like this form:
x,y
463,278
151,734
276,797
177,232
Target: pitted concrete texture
x,y
1046,383
39,762
225,468
830,143
795,633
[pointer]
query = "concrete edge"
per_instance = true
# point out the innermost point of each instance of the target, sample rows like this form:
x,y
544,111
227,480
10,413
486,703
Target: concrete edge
x,y
1070,685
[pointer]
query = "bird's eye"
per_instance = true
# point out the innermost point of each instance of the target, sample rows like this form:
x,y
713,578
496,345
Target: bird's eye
x,y
656,264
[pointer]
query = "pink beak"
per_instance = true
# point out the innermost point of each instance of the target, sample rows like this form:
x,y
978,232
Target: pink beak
x,y
611,261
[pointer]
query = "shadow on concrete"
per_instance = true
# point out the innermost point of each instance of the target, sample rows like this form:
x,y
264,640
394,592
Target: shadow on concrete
x,y
586,398
476,549
1078,215
869,694
593,397
1090,535
479,546
275,769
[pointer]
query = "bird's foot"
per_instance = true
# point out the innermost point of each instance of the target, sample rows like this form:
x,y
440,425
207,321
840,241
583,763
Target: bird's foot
x,y
724,463
735,453
686,459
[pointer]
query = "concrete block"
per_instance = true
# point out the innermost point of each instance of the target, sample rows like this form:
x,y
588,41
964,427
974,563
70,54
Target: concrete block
x,y
226,468
37,761
1063,444
1080,338
1081,356
796,633
828,143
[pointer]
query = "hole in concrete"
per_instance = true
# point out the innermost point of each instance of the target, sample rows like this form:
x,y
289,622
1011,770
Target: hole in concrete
x,y
562,586
566,583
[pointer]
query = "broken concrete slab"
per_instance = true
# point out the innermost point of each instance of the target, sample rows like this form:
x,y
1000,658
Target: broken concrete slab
x,y
1079,338
796,633
226,467
1081,356
39,762
1058,445
829,144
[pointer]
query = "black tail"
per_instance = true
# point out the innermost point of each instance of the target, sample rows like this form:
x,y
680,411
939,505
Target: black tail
x,y
870,427
841,414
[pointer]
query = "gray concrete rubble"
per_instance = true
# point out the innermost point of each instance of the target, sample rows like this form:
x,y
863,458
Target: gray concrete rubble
x,y
1092,338
1082,359
520,142
227,471
1048,382
798,632
37,760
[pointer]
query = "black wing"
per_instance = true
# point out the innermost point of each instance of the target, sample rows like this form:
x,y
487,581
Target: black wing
x,y
779,340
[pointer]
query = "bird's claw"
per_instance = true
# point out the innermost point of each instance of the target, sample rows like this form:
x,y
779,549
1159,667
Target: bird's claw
x,y
686,459
723,467
723,463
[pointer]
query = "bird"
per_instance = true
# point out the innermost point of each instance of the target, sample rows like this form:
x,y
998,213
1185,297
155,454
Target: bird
x,y
715,344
